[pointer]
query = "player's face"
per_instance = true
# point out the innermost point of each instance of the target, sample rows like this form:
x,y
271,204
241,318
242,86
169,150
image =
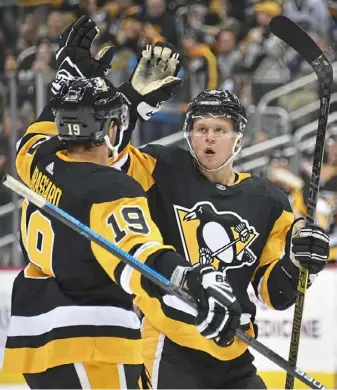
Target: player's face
x,y
213,139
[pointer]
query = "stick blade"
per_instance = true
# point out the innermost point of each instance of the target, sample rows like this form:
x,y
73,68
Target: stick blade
x,y
294,36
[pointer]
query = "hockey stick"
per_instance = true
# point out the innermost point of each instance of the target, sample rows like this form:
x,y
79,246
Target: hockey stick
x,y
148,272
299,40
229,245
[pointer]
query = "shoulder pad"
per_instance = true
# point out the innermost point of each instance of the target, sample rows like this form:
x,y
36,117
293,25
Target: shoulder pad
x,y
266,188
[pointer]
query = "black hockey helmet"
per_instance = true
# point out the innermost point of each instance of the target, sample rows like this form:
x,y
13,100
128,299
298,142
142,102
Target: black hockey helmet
x,y
217,103
84,109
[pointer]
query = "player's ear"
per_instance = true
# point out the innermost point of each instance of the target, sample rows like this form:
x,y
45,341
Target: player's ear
x,y
112,132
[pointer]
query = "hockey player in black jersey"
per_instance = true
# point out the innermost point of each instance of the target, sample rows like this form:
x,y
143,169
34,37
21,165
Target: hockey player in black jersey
x,y
243,225
72,319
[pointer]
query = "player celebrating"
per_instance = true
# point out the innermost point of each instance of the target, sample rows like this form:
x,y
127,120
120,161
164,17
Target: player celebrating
x,y
72,322
243,225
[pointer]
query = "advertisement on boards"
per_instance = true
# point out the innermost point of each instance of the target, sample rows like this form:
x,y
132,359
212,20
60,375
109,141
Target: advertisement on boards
x,y
317,353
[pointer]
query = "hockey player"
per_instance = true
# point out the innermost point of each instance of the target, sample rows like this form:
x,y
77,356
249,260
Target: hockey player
x,y
72,321
243,225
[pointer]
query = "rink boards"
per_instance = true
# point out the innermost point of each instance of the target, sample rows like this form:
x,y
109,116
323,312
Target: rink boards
x,y
318,346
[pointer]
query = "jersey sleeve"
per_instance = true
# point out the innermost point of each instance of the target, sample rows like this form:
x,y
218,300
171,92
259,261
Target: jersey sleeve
x,y
149,163
126,222
274,280
37,134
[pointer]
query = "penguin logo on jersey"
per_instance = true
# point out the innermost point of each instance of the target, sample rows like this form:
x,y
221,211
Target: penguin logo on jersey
x,y
222,238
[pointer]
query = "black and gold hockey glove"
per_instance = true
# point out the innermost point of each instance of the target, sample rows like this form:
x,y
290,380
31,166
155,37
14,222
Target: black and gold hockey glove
x,y
218,311
308,246
73,59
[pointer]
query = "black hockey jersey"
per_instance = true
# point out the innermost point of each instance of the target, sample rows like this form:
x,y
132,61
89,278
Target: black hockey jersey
x,y
73,301
203,220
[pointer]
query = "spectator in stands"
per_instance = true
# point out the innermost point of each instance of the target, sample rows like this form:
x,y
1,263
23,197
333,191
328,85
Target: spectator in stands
x,y
200,65
39,8
161,20
312,15
28,33
279,171
8,32
44,61
10,65
190,21
227,56
123,24
264,55
130,31
55,26
218,18
128,40
38,58
238,9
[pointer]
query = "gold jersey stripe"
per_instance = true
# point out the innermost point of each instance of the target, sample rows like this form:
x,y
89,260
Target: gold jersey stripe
x,y
80,349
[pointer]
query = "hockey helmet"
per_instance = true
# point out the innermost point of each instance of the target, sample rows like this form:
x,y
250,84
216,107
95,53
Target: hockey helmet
x,y
216,103
84,109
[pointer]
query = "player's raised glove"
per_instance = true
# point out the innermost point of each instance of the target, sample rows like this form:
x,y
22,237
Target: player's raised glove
x,y
73,59
308,246
154,80
218,311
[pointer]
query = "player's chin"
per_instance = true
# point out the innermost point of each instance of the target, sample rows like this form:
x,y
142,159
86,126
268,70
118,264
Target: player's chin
x,y
209,162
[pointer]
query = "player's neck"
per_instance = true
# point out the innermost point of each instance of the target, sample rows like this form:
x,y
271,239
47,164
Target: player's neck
x,y
97,155
224,176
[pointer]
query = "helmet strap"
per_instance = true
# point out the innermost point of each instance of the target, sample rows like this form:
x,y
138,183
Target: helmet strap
x,y
114,149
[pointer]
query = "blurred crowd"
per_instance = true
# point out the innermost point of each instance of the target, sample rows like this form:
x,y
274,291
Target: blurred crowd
x,y
224,44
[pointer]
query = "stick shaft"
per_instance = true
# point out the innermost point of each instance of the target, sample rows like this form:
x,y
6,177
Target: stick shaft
x,y
324,72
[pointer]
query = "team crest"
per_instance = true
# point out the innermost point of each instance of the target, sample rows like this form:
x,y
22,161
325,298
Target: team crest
x,y
222,238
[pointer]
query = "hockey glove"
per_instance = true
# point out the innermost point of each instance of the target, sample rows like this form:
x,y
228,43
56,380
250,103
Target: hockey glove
x,y
218,310
74,59
153,82
308,246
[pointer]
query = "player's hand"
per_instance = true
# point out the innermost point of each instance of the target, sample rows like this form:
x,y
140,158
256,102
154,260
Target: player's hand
x,y
73,59
308,246
218,309
243,231
154,80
